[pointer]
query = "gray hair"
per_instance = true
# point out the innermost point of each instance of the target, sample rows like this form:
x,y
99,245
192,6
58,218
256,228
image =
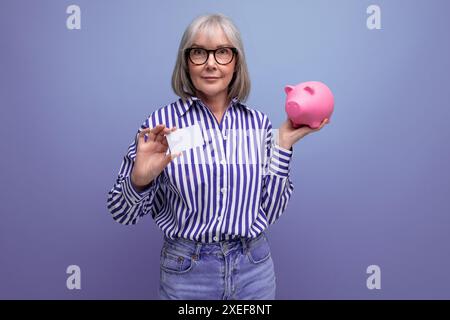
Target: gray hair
x,y
240,83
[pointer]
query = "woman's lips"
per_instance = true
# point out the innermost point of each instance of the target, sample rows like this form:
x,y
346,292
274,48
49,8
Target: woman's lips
x,y
210,78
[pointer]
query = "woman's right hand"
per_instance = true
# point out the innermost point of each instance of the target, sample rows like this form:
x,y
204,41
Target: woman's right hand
x,y
151,158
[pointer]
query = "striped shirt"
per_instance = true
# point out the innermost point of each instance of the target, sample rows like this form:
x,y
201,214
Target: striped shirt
x,y
235,185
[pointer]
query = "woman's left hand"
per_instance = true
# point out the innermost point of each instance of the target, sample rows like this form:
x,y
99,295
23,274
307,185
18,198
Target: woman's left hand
x,y
288,135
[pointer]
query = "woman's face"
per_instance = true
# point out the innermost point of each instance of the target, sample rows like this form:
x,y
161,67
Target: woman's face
x,y
221,74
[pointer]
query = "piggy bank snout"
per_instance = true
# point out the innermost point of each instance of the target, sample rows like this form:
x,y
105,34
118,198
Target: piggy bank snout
x,y
292,106
294,110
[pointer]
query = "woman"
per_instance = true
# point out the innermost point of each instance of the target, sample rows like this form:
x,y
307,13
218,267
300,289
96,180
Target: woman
x,y
214,202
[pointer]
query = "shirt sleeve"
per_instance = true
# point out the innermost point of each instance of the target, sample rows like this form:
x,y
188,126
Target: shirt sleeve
x,y
124,202
277,186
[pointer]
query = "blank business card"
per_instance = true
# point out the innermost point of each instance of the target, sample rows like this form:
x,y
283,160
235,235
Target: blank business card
x,y
185,138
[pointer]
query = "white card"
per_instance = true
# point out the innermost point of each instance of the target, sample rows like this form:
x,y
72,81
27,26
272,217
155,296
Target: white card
x,y
185,138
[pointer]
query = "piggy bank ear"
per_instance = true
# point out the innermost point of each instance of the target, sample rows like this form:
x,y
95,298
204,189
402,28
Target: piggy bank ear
x,y
288,89
308,89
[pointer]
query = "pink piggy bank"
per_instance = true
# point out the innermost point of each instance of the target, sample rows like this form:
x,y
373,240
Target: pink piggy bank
x,y
309,103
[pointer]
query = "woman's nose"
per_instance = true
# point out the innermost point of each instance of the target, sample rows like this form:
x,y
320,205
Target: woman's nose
x,y
211,61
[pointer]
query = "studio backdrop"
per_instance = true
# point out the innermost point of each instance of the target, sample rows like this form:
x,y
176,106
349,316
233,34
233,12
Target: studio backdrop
x,y
369,217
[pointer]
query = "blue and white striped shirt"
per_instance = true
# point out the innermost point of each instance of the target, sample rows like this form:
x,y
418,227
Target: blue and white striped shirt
x,y
235,185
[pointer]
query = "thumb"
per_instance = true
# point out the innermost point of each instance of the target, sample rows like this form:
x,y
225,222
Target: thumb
x,y
171,156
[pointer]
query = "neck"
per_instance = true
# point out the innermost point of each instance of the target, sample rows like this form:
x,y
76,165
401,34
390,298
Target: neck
x,y
217,104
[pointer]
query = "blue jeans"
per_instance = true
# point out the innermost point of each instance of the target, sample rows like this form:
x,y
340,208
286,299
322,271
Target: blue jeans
x,y
239,269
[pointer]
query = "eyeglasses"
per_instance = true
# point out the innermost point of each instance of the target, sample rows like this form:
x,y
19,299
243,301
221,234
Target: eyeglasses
x,y
199,56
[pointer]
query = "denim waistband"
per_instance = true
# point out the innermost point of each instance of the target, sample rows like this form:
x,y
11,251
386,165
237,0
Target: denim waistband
x,y
226,246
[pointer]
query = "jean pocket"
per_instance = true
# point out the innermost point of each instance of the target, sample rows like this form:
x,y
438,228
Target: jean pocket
x,y
174,261
259,251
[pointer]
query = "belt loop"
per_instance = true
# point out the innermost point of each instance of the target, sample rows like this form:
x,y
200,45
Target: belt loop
x,y
244,245
198,247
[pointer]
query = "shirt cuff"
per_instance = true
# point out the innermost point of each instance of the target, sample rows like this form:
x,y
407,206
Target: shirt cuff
x,y
280,161
132,196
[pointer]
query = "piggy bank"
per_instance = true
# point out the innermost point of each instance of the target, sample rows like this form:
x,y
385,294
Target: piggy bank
x,y
309,103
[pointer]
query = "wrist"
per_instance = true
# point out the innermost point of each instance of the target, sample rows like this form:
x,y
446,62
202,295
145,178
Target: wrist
x,y
137,184
284,145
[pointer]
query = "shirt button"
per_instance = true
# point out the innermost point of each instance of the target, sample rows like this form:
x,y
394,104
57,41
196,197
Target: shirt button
x,y
219,218
223,161
223,190
225,137
215,238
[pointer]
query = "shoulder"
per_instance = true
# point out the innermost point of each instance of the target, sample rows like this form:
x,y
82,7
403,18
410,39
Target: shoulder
x,y
167,114
253,112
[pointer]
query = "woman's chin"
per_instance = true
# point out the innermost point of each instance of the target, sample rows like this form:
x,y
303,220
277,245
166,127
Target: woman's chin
x,y
211,93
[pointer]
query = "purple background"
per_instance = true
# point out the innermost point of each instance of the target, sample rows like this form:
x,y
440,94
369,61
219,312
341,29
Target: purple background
x,y
371,188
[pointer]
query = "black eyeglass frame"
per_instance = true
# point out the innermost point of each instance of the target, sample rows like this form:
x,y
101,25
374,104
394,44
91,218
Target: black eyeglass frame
x,y
187,53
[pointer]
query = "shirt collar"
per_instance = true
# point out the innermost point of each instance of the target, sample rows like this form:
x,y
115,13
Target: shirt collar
x,y
182,106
